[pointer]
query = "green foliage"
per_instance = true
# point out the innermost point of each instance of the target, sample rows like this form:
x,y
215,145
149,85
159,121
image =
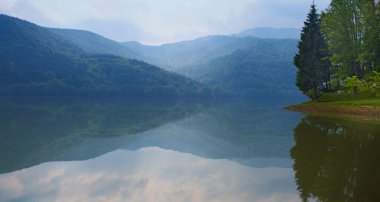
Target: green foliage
x,y
355,85
344,99
370,85
374,83
352,30
314,70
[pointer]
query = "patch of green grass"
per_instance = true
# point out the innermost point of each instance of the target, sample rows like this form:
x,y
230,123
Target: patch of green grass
x,y
355,103
334,97
367,102
366,108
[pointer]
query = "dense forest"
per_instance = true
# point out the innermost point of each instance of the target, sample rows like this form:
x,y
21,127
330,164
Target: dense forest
x,y
34,61
339,49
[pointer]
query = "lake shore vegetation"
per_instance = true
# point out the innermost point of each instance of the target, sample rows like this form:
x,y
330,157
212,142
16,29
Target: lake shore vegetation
x,y
339,59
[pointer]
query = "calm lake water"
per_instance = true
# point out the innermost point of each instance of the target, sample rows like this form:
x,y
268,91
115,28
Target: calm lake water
x,y
176,150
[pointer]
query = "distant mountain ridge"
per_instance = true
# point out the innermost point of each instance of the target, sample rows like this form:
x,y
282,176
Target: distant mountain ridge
x,y
34,61
265,68
94,43
271,33
212,59
242,64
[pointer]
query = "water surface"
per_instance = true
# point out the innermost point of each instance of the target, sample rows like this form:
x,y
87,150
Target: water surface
x,y
182,150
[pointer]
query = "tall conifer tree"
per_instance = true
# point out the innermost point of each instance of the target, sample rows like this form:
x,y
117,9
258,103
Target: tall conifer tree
x,y
314,68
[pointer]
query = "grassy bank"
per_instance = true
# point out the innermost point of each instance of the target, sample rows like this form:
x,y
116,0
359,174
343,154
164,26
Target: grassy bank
x,y
362,107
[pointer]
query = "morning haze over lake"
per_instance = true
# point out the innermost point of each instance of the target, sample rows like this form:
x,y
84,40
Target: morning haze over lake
x,y
217,101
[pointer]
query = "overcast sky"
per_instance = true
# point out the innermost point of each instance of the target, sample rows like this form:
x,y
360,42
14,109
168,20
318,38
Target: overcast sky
x,y
161,21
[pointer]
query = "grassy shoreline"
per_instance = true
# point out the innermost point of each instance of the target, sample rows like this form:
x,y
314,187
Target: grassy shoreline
x,y
364,109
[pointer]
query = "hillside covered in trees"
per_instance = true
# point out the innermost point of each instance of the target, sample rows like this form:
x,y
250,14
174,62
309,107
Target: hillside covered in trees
x,y
241,65
265,68
244,64
34,61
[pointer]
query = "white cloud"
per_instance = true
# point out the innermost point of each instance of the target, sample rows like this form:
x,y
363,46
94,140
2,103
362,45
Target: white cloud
x,y
150,174
154,21
6,6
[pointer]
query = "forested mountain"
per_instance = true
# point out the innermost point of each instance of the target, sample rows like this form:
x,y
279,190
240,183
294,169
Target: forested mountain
x,y
93,43
41,61
180,55
244,66
271,33
36,61
263,69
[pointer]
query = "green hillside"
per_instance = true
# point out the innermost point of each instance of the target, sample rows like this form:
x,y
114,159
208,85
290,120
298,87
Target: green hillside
x,y
240,64
263,69
35,61
244,66
93,43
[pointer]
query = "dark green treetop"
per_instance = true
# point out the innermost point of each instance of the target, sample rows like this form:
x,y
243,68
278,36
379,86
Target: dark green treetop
x,y
314,68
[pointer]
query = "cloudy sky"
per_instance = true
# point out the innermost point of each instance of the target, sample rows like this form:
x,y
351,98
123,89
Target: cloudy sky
x,y
161,21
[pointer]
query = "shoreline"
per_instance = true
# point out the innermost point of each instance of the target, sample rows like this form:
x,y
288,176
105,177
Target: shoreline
x,y
362,112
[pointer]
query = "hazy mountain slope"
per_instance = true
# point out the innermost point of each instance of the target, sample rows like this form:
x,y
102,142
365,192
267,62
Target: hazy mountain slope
x,y
168,56
271,33
265,68
94,43
243,65
35,61
175,56
180,55
19,36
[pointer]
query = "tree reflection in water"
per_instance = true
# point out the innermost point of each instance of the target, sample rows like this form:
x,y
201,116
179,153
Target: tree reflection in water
x,y
337,160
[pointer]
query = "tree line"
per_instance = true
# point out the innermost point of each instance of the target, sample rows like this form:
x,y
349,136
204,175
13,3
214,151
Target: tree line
x,y
339,49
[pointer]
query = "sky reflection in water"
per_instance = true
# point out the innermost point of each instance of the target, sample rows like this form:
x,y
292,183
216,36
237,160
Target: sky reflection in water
x,y
146,150
149,150
148,174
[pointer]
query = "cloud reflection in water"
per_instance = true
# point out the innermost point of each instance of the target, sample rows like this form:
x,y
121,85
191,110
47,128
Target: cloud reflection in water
x,y
149,174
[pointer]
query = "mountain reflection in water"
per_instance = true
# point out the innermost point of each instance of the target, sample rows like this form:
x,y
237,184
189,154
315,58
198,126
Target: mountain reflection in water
x,y
43,130
182,150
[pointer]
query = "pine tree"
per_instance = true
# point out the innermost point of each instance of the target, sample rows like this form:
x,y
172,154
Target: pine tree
x,y
314,67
